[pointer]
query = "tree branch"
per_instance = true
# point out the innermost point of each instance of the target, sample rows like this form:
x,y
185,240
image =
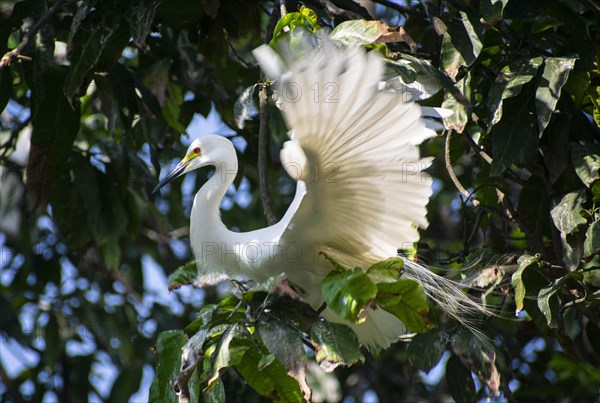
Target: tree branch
x,y
263,139
450,170
10,57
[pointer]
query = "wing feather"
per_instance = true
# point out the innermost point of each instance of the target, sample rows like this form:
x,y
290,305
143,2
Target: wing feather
x,y
356,149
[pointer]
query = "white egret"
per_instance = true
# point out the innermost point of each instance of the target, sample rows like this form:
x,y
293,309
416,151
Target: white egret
x,y
361,190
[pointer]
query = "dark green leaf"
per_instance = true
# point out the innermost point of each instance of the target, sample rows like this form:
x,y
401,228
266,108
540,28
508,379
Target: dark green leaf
x,y
548,301
586,160
406,300
556,73
55,125
591,245
459,380
566,212
140,18
509,83
346,293
286,345
514,138
267,376
491,10
426,349
335,345
86,48
477,355
168,362
461,45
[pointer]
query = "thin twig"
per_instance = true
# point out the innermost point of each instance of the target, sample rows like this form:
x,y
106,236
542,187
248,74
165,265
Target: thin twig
x,y
263,139
467,243
9,57
235,52
450,170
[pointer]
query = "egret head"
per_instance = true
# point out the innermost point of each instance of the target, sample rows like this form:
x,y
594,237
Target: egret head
x,y
207,150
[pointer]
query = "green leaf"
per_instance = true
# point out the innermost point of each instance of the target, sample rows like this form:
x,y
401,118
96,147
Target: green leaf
x,y
335,345
291,21
491,10
183,275
406,300
126,384
547,303
267,376
591,245
509,83
387,270
556,73
524,262
87,45
459,118
346,293
459,380
140,18
286,345
586,160
566,212
55,125
594,93
226,354
203,318
357,32
172,107
461,45
168,362
426,349
311,18
514,137
477,355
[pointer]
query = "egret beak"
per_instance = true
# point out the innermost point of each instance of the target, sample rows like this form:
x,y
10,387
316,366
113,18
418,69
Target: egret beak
x,y
179,170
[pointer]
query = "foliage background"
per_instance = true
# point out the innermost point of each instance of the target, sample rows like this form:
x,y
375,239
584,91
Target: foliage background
x,y
85,247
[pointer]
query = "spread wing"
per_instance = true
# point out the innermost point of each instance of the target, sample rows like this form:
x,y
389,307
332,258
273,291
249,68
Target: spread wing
x,y
356,151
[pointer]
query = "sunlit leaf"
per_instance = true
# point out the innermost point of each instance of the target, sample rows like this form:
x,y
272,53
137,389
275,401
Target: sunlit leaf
x,y
524,262
461,45
386,271
586,160
509,83
406,300
184,275
556,73
591,245
346,293
566,212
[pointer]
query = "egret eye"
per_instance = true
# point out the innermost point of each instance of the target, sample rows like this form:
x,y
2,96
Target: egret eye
x,y
197,150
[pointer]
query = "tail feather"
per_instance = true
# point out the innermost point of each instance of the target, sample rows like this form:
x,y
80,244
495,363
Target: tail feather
x,y
379,328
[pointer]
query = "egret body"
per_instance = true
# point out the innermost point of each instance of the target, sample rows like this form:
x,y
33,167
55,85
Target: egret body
x,y
361,190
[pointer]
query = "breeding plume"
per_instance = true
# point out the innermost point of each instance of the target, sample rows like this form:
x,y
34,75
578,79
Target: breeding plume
x,y
361,192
